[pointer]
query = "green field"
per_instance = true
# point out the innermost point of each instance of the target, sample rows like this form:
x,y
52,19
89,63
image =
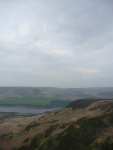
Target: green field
x,y
40,101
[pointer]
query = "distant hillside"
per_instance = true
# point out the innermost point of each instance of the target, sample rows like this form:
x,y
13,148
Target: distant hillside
x,y
83,125
108,94
50,96
54,92
31,96
82,93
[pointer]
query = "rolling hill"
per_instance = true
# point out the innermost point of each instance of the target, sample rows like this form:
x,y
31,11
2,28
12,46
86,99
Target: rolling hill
x,y
49,96
31,97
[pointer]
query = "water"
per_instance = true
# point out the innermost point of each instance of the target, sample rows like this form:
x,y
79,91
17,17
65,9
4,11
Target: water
x,y
25,110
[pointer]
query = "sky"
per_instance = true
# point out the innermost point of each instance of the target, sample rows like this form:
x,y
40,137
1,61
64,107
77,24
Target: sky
x,y
56,43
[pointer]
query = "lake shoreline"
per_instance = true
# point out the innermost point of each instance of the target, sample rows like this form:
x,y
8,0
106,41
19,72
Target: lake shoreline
x,y
31,106
27,110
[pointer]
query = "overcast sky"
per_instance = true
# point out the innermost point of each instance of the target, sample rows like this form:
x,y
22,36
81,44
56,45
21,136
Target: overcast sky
x,y
56,43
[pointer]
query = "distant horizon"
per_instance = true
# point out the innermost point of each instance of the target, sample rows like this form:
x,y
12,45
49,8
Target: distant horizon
x,y
52,87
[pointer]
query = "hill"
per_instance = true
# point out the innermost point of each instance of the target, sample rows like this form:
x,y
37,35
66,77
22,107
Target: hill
x,y
49,96
82,125
31,97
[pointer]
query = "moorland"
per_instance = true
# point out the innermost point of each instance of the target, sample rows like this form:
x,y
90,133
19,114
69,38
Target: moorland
x,y
83,124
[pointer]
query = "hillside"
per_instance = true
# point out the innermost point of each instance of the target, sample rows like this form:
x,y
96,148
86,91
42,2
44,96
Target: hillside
x,y
82,125
49,96
31,97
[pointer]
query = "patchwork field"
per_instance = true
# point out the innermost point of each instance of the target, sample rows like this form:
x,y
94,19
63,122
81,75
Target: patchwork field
x,y
32,97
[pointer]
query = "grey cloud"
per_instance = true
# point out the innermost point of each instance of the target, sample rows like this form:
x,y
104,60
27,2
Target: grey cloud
x,y
58,43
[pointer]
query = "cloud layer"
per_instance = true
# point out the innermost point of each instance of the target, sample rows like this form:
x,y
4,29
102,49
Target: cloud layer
x,y
56,43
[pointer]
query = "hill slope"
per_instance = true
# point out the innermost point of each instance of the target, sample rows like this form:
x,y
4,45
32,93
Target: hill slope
x,y
82,125
32,97
55,93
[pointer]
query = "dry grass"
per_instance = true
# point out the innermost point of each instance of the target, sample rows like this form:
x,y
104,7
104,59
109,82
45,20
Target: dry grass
x,y
62,117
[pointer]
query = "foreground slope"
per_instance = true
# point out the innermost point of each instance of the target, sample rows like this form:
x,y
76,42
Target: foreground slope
x,y
82,125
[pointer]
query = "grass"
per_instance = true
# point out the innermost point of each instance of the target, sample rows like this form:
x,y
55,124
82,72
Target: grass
x,y
50,130
34,143
83,137
31,126
80,138
7,136
26,101
26,140
37,101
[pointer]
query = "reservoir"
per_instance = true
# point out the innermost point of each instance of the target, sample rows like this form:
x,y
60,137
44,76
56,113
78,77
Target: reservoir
x,y
26,110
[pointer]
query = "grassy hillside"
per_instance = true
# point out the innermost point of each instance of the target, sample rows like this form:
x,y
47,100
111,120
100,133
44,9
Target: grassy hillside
x,y
45,95
31,96
82,125
36,102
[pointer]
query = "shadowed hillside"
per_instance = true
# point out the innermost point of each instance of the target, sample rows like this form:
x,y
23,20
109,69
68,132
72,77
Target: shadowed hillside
x,y
82,103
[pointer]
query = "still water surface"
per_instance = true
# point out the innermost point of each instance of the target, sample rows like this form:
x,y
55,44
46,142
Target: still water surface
x,y
25,110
